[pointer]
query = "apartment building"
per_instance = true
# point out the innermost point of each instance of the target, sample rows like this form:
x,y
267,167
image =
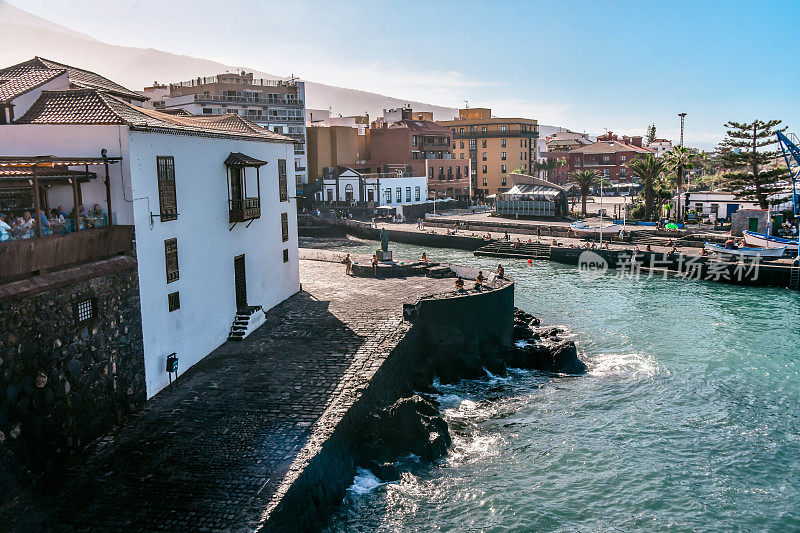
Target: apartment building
x,y
333,147
494,146
558,146
278,105
397,138
608,157
449,178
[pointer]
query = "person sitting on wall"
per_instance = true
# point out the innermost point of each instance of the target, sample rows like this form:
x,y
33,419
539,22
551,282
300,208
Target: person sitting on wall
x,y
648,248
674,250
479,281
460,284
424,257
375,265
500,271
506,237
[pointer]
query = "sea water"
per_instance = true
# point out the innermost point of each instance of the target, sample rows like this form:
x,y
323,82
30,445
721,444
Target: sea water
x,y
688,418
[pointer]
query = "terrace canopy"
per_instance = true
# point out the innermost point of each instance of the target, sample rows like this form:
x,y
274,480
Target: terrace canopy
x,y
23,174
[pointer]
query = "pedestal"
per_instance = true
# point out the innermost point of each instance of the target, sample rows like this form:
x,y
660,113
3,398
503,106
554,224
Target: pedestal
x,y
384,256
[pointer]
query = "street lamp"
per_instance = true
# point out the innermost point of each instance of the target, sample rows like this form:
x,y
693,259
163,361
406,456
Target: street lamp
x,y
680,178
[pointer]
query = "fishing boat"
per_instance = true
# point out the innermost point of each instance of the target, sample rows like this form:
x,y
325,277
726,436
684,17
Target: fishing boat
x,y
745,251
762,240
582,230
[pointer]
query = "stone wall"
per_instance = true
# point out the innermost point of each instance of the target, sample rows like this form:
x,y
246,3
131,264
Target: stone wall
x,y
434,240
61,383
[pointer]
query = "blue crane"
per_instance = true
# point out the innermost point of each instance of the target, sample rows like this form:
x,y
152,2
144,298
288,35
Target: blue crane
x,y
791,154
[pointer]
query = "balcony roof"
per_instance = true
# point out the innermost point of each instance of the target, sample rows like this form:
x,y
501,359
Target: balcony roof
x,y
238,159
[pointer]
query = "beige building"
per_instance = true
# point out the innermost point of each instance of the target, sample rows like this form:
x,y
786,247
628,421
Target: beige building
x,y
495,146
334,146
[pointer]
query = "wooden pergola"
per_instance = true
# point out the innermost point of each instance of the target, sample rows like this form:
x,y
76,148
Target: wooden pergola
x,y
33,169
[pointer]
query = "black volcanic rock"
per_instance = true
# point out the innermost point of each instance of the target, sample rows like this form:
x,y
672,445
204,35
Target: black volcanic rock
x,y
410,425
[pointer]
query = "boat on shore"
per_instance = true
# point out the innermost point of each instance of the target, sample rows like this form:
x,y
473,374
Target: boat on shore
x,y
772,253
762,240
582,230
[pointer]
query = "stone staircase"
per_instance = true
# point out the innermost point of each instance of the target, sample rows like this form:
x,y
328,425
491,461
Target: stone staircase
x,y
508,249
246,321
794,278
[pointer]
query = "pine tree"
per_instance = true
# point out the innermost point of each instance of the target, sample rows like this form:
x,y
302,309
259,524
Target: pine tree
x,y
746,158
650,134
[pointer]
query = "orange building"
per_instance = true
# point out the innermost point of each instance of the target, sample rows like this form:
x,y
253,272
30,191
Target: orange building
x,y
495,146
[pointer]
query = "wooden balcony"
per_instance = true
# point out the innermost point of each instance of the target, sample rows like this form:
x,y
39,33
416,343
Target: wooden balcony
x,y
29,257
245,209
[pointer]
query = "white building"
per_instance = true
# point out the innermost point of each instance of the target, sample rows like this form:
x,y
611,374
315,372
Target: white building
x,y
714,205
660,146
278,105
387,189
214,219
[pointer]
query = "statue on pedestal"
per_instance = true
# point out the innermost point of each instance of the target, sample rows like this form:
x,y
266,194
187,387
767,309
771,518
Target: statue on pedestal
x,y
384,254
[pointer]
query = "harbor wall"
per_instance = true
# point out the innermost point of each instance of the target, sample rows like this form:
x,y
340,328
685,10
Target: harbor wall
x,y
64,382
471,323
434,240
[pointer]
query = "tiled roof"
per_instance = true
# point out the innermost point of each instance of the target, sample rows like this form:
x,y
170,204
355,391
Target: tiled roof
x,y
421,125
93,107
610,147
78,78
13,86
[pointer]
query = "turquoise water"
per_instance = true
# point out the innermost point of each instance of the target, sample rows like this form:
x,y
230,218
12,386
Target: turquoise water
x,y
689,417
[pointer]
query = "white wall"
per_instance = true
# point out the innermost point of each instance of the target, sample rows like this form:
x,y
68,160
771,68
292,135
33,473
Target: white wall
x,y
205,246
24,102
411,181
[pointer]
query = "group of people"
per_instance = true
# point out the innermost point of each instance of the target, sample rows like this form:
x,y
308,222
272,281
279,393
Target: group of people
x,y
25,226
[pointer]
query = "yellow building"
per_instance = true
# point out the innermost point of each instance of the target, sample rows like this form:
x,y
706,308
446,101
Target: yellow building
x,y
496,146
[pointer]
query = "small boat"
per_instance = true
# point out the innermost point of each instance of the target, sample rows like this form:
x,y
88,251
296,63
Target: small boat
x,y
745,252
761,240
582,230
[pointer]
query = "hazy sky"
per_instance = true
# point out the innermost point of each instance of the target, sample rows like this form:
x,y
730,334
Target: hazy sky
x,y
589,66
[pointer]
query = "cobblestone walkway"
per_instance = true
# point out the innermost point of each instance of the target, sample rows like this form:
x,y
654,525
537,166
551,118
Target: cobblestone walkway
x,y
211,454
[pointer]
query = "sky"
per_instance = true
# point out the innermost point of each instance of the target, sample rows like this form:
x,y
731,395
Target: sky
x,y
589,66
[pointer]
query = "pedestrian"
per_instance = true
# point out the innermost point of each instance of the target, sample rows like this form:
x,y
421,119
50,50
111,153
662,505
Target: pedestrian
x,y
500,271
348,265
375,265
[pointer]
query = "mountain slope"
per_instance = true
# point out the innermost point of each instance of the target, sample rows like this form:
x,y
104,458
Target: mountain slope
x,y
25,36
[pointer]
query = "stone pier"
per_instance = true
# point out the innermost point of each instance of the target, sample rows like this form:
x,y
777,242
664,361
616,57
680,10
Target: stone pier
x,y
259,434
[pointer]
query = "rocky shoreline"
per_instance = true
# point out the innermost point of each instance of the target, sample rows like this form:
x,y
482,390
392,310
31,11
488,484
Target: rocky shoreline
x,y
413,425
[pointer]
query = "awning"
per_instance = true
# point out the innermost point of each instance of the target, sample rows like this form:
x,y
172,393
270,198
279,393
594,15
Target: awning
x,y
53,161
238,159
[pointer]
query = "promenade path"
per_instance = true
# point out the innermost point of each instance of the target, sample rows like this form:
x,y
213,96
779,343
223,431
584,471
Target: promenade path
x,y
213,453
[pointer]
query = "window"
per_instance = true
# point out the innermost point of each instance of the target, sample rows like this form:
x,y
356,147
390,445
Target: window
x,y
485,182
577,161
466,170
441,172
483,129
284,227
503,156
503,169
285,255
408,194
85,311
522,155
174,301
416,194
483,156
483,143
472,129
502,128
413,140
430,173
461,145
502,143
461,155
472,144
398,195
520,142
171,259
623,171
622,158
208,111
167,200
503,181
388,194
282,187
461,130
483,170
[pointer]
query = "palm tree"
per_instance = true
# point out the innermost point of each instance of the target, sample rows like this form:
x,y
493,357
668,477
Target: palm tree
x,y
679,160
585,180
649,171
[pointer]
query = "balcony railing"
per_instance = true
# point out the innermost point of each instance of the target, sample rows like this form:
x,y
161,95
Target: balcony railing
x,y
495,133
227,99
242,210
27,257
